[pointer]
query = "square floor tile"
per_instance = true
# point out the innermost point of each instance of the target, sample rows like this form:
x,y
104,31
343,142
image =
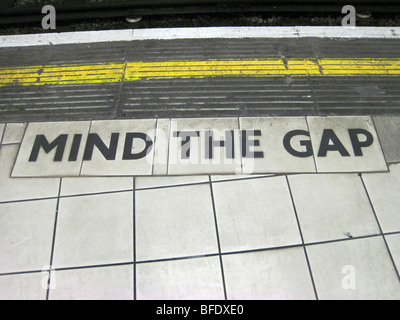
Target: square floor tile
x,y
276,157
26,234
255,213
335,151
174,222
140,156
384,191
154,182
104,283
238,176
192,158
94,230
28,286
387,128
14,133
12,189
84,185
57,161
393,242
266,275
187,279
332,206
358,269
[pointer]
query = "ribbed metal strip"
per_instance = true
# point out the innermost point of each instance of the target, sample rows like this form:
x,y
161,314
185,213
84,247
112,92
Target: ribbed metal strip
x,y
63,102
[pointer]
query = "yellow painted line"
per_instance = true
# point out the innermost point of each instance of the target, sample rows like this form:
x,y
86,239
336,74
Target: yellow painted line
x,y
132,71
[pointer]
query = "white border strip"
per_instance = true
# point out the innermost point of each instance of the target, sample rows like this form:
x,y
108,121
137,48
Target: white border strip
x,y
199,33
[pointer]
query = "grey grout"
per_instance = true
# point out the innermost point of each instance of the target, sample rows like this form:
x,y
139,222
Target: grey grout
x,y
380,228
216,254
302,239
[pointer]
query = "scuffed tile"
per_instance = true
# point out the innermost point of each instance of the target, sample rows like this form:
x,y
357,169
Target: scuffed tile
x,y
267,275
26,235
254,214
12,189
134,139
388,131
14,133
191,157
193,279
276,157
28,286
104,283
84,185
58,161
96,229
334,150
332,206
359,269
154,182
179,223
384,190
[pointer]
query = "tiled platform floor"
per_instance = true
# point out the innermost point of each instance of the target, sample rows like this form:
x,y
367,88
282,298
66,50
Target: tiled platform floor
x,y
305,236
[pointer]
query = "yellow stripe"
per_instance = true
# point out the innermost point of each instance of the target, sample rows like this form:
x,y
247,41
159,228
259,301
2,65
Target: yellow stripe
x,y
131,71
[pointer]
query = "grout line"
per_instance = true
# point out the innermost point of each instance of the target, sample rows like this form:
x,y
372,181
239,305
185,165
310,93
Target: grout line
x,y
312,145
80,169
199,256
53,241
380,228
134,241
218,240
302,238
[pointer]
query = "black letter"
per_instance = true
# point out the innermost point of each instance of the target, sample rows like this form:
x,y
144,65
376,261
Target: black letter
x,y
41,141
128,155
210,144
306,143
357,144
186,135
94,140
73,155
327,136
246,144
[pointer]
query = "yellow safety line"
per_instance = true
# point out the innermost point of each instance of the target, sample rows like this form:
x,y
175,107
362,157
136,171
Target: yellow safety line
x,y
132,71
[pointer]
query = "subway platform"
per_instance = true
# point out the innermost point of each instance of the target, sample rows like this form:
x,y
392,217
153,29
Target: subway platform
x,y
201,164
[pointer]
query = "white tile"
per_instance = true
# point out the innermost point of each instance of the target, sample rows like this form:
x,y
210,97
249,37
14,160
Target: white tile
x,y
393,242
188,279
26,235
28,286
152,182
238,176
45,165
268,275
84,185
99,165
255,213
95,229
276,158
371,157
332,206
387,128
384,191
14,133
354,270
174,222
22,188
105,283
197,162
160,166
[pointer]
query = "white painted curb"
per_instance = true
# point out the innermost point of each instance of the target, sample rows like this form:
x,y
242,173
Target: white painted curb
x,y
199,33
